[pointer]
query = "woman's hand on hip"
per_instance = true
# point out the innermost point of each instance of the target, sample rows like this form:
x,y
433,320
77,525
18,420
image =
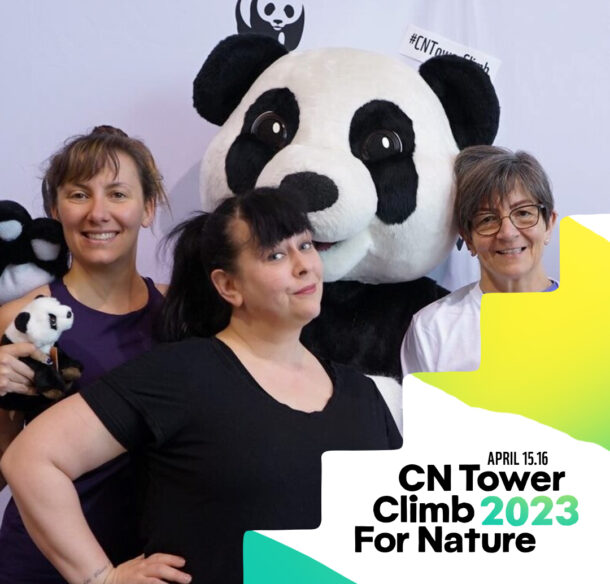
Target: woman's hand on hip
x,y
155,569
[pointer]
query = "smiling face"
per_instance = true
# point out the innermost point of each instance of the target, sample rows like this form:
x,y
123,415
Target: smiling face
x,y
511,260
101,217
279,286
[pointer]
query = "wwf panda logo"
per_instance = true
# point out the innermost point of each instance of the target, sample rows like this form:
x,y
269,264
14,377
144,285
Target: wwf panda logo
x,y
283,21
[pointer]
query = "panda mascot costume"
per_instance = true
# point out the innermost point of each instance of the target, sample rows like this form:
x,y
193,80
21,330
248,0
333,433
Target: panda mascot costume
x,y
32,251
368,143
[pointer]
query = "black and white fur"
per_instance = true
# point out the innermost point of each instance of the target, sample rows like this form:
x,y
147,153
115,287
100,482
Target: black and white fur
x,y
33,252
368,143
41,322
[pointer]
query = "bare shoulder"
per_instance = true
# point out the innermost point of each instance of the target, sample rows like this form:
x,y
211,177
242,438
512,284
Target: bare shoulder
x,y
162,288
11,309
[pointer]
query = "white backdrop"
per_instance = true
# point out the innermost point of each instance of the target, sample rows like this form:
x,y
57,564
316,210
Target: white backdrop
x,y
68,66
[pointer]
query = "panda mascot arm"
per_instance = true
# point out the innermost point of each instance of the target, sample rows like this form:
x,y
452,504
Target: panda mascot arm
x,y
41,322
32,251
367,144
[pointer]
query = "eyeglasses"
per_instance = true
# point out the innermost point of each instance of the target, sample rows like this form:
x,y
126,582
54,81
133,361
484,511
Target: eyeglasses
x,y
521,217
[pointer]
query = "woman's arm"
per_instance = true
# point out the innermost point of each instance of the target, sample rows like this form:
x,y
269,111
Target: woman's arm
x,y
15,376
54,449
10,425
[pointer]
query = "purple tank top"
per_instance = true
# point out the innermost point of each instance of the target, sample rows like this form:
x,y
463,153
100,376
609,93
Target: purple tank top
x,y
100,342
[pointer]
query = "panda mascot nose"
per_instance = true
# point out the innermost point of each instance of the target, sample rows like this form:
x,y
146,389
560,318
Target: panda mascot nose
x,y
315,191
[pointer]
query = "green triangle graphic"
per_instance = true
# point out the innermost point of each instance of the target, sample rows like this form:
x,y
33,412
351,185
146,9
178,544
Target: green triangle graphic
x,y
268,562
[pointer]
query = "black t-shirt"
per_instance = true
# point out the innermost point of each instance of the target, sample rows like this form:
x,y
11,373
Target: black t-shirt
x,y
221,455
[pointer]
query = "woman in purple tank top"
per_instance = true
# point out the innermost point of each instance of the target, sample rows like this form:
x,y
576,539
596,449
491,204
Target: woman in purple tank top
x,y
103,187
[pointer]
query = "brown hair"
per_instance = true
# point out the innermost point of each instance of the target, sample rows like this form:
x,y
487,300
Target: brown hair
x,y
486,174
83,157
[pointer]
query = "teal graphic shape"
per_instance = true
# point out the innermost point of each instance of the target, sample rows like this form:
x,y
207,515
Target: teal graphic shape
x,y
268,562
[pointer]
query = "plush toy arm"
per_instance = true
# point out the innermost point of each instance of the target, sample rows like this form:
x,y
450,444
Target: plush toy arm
x,y
47,380
49,384
69,369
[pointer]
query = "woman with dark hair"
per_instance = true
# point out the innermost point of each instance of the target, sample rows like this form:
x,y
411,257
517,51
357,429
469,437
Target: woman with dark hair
x,y
504,211
231,418
103,187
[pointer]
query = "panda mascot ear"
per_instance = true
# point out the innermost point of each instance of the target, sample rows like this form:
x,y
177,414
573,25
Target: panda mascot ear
x,y
468,97
229,71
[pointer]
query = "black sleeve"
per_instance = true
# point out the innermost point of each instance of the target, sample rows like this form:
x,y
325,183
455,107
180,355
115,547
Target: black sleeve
x,y
144,400
369,408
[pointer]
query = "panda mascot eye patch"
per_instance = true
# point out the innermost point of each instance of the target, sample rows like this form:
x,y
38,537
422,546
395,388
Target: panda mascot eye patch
x,y
382,136
269,125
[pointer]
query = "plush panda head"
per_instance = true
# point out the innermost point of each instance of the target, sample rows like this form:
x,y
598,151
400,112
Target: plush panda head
x,y
32,251
364,141
41,322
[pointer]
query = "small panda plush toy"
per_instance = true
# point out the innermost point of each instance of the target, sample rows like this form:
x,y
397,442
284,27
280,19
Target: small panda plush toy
x,y
367,144
41,322
32,251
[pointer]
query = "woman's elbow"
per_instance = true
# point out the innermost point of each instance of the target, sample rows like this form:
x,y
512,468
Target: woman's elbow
x,y
19,460
8,463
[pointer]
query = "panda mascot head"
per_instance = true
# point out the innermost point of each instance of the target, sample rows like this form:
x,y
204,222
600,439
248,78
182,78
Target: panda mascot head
x,y
368,144
32,251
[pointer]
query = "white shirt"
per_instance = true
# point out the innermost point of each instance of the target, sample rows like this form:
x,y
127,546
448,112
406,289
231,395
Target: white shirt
x,y
445,335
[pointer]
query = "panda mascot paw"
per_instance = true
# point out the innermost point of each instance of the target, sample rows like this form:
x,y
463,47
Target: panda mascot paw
x,y
367,144
32,251
41,323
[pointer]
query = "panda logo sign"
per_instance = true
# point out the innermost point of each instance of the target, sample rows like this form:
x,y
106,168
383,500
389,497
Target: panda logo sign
x,y
283,21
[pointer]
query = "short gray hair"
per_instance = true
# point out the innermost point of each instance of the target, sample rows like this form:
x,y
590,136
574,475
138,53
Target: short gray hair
x,y
486,174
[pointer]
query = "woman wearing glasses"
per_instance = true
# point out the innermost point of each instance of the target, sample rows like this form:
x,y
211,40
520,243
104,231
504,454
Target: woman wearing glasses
x,y
504,211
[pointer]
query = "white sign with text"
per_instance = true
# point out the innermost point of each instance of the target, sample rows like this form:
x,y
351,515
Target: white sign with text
x,y
421,44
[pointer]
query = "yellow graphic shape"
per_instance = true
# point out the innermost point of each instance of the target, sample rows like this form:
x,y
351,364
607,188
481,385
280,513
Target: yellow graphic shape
x,y
547,355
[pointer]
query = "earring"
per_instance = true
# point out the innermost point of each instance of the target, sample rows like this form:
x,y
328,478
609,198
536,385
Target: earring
x,y
547,241
472,252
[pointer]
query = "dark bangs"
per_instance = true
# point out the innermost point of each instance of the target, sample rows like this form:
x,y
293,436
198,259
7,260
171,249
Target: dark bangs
x,y
272,214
